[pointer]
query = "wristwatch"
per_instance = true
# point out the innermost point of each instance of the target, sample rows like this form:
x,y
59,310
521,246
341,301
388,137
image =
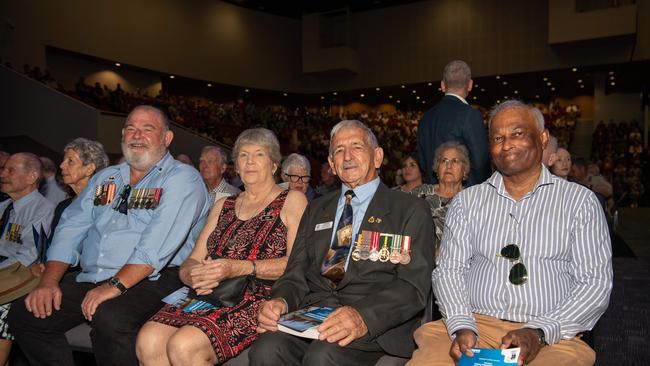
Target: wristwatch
x,y
540,336
115,282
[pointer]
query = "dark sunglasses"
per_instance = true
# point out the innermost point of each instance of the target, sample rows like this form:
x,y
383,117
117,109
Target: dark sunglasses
x,y
122,205
518,274
296,178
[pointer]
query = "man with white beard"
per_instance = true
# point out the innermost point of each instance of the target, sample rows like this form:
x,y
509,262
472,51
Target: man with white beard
x,y
129,230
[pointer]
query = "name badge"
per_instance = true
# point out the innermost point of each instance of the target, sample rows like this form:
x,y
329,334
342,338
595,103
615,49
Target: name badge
x,y
324,225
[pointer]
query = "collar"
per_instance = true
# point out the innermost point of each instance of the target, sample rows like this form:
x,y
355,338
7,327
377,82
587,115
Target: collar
x,y
166,163
496,181
26,200
362,192
457,96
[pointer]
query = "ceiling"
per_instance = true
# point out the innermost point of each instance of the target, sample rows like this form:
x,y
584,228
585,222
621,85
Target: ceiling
x,y
296,8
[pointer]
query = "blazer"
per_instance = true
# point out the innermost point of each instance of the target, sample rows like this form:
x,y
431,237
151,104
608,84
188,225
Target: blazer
x,y
451,119
389,297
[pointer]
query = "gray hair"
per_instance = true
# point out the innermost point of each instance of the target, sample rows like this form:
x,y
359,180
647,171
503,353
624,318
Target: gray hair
x,y
296,160
48,165
552,144
89,151
223,156
538,117
31,163
462,149
371,139
162,117
262,137
456,74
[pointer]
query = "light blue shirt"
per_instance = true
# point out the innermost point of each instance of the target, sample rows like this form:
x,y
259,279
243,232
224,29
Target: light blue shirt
x,y
103,240
362,196
32,210
564,242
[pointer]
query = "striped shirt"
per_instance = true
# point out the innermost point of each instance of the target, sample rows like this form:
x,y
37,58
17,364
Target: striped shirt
x,y
222,190
564,242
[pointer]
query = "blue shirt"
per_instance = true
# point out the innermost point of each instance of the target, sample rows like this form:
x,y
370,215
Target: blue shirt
x,y
32,210
103,240
564,243
362,196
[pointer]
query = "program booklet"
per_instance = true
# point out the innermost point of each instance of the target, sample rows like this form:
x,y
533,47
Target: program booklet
x,y
180,299
491,357
303,322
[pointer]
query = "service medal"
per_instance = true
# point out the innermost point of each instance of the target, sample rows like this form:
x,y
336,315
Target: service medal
x,y
405,258
383,255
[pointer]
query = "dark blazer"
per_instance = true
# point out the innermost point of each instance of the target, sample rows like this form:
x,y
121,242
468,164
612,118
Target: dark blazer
x,y
389,297
451,119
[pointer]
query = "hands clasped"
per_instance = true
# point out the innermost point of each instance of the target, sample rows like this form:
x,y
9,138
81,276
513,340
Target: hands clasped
x,y
209,273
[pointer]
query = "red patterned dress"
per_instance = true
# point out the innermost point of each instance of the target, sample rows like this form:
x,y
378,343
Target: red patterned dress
x,y
232,329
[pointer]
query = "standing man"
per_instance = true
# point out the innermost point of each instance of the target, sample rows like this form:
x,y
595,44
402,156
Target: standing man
x,y
454,119
379,302
212,164
50,187
128,230
525,261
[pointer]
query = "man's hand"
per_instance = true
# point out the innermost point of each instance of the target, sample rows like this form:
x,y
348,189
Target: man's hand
x,y
525,338
270,314
344,325
463,343
43,298
207,275
95,297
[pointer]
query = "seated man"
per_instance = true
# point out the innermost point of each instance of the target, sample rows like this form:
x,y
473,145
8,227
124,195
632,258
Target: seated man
x,y
379,303
128,230
25,212
525,259
212,164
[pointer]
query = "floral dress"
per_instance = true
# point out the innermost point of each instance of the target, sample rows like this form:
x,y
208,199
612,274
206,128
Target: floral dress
x,y
264,236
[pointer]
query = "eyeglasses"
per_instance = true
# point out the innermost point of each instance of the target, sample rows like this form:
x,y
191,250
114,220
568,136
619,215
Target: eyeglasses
x,y
122,205
518,274
453,161
296,178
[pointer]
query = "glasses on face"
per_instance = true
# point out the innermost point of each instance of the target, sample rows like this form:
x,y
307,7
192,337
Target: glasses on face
x,y
518,274
453,161
295,178
122,205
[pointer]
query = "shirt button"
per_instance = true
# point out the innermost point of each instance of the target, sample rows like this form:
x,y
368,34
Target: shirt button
x,y
99,270
101,255
114,221
105,235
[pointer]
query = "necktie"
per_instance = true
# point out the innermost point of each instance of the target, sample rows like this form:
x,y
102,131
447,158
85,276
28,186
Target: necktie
x,y
4,220
333,267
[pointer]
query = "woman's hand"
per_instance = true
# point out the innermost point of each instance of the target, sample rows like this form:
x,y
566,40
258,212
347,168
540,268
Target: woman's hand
x,y
209,273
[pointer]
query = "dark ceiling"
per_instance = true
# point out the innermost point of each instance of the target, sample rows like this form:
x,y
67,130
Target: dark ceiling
x,y
296,8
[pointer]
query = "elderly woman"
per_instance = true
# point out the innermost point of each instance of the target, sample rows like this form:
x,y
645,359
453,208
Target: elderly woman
x,y
562,165
451,165
296,174
251,233
81,159
411,174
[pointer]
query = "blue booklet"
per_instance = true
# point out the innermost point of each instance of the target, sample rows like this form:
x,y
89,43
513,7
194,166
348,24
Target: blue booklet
x,y
303,322
180,299
490,357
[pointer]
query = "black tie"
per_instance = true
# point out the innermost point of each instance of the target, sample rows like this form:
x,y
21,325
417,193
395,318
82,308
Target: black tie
x,y
4,220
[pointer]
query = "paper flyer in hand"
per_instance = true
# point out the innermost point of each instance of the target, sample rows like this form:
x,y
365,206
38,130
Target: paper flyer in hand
x,y
180,298
303,322
490,357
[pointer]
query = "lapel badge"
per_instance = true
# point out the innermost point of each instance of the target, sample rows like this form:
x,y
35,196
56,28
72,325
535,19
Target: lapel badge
x,y
371,220
378,220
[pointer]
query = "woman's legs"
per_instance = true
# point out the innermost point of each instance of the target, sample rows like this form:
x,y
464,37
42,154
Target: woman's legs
x,y
152,342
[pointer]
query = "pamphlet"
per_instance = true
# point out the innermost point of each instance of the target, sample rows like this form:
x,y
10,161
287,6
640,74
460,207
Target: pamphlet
x,y
180,299
490,357
304,322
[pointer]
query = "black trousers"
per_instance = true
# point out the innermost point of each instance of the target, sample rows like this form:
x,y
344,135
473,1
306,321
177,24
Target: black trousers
x,y
278,348
115,324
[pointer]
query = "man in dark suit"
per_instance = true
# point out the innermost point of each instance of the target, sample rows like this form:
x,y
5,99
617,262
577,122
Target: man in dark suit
x,y
379,301
453,119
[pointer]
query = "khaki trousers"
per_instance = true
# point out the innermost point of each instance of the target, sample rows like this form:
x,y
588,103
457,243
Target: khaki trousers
x,y
434,343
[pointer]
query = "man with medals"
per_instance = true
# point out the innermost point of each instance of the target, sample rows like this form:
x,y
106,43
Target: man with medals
x,y
341,258
129,231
